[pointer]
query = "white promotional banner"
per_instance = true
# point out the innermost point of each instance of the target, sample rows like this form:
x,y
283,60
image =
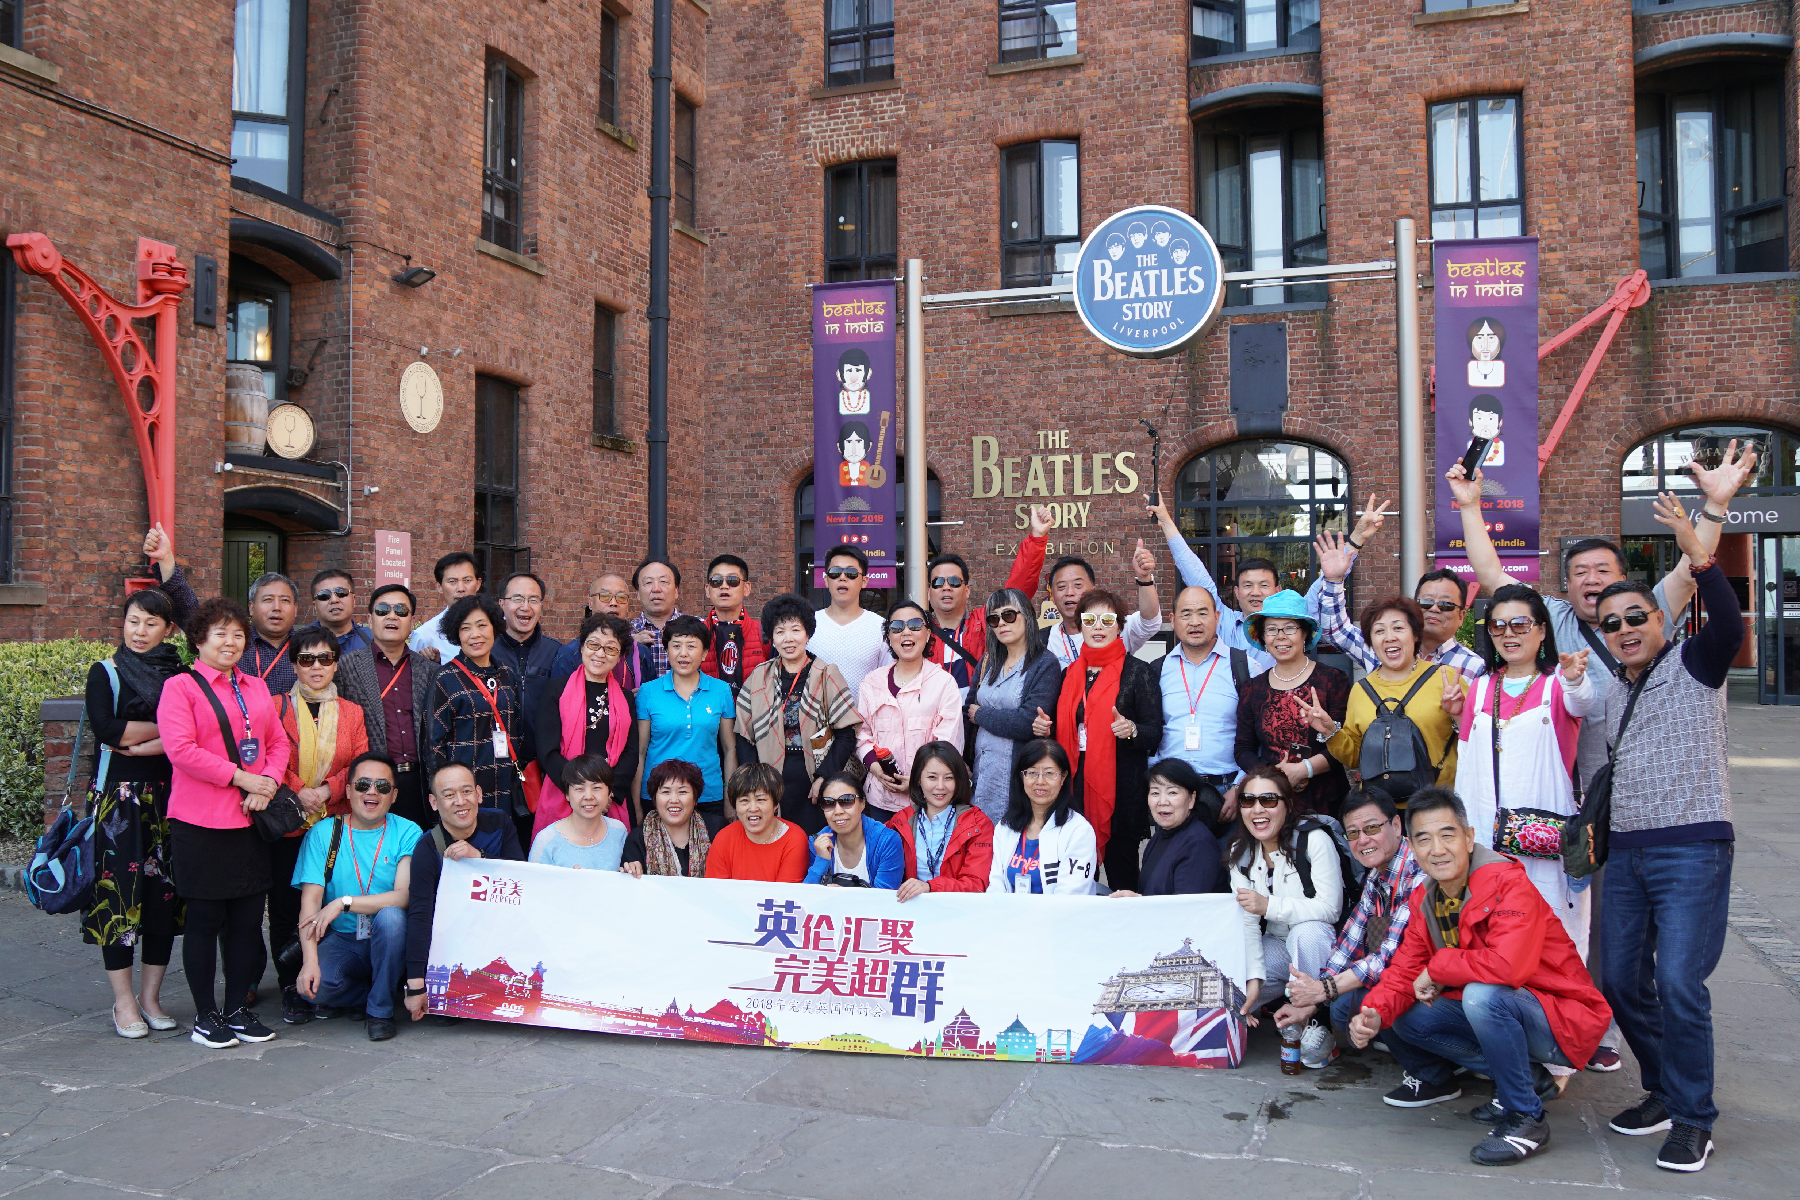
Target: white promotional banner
x,y
1083,979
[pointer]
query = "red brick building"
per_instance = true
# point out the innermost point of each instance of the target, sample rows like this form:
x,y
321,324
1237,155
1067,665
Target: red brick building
x,y
835,141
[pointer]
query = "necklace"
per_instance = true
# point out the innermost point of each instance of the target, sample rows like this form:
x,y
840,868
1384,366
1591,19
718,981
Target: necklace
x,y
1292,678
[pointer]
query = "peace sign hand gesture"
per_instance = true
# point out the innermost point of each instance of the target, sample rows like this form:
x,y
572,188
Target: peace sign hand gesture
x,y
1454,695
1368,521
1316,717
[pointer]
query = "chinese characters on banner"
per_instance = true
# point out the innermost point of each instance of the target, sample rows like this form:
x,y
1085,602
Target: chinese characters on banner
x,y
855,427
1045,979
1486,318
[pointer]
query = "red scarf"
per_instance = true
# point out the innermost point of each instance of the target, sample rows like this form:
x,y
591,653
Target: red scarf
x,y
1099,773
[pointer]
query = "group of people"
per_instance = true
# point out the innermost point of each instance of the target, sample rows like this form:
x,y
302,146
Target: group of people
x,y
1392,842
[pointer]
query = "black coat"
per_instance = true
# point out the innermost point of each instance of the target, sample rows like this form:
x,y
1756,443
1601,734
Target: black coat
x,y
1185,862
1140,701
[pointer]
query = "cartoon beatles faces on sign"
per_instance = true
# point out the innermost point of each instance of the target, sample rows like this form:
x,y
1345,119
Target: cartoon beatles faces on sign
x,y
1486,414
853,371
854,444
1487,337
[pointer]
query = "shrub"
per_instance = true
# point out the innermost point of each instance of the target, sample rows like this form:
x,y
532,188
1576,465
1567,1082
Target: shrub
x,y
30,673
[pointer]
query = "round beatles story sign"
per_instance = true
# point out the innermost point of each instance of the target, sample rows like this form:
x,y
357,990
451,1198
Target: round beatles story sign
x,y
1148,281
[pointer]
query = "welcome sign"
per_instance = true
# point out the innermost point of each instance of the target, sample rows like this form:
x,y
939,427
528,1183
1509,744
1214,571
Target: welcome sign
x,y
1148,281
1154,981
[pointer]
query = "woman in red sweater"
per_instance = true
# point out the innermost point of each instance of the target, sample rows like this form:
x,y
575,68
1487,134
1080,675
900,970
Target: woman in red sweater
x,y
759,844
949,843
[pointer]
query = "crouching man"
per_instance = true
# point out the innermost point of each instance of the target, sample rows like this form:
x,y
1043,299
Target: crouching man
x,y
353,876
1485,978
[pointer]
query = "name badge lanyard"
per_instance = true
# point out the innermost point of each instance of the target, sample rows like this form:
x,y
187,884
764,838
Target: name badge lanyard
x,y
365,922
502,739
398,671
1193,699
249,748
264,673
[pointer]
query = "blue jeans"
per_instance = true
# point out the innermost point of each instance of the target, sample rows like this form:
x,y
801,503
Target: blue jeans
x,y
364,974
1663,929
1493,1030
1347,1005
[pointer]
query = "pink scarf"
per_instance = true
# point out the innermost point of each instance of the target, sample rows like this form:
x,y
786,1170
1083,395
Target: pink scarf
x,y
553,806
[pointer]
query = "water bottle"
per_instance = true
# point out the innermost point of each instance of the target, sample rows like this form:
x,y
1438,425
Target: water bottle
x,y
1290,1050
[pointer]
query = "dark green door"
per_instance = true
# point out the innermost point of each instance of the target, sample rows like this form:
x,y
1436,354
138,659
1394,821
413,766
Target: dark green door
x,y
248,554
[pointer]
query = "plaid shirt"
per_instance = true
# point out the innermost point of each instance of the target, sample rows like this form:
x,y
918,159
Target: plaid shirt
x,y
1384,894
1335,627
658,656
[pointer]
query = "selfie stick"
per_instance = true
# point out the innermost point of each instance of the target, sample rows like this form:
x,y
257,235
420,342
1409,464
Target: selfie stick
x,y
1155,461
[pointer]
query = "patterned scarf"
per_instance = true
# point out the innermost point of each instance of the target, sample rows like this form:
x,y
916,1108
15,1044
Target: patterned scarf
x,y
659,847
318,738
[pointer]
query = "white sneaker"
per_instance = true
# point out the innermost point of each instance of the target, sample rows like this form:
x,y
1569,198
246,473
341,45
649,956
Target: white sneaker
x,y
1317,1046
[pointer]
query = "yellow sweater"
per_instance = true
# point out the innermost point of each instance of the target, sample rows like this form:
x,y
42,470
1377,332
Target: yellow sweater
x,y
1426,711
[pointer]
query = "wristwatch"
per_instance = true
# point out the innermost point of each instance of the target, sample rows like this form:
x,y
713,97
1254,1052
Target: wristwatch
x,y
411,992
347,901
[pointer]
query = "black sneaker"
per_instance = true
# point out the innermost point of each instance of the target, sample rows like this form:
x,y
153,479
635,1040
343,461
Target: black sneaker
x,y
295,1008
1685,1149
243,1022
1513,1140
1416,1093
1646,1116
1491,1113
211,1031
381,1028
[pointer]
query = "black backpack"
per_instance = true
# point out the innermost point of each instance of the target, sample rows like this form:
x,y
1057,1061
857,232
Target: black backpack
x,y
1349,869
1395,759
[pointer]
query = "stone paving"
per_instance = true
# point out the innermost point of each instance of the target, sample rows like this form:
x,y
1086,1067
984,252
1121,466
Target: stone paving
x,y
502,1111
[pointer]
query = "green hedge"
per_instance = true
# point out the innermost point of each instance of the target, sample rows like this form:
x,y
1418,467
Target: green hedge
x,y
30,673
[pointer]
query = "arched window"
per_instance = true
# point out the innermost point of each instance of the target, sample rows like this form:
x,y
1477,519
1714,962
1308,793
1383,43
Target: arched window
x,y
1764,566
1260,499
873,599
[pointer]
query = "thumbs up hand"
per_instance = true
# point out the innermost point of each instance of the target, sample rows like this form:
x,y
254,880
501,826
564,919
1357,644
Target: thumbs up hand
x,y
1041,725
1143,562
1121,727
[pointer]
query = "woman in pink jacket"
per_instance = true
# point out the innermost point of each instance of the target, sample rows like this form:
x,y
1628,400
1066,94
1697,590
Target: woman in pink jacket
x,y
221,866
913,702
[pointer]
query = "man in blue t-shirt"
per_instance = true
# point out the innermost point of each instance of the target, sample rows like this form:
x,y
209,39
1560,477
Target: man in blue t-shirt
x,y
688,716
354,874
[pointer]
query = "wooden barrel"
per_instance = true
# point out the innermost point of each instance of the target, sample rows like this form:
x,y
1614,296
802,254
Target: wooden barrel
x,y
246,410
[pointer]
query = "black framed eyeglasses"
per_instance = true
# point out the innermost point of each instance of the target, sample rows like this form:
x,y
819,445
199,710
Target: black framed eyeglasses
x,y
908,625
324,594
1635,618
1517,625
947,581
309,658
843,573
1005,616
380,787
724,581
399,610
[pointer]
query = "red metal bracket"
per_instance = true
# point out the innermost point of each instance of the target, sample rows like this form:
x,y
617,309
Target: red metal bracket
x,y
146,381
1633,292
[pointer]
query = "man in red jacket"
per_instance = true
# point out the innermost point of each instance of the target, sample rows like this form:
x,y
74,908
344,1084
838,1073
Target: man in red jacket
x,y
737,645
1485,979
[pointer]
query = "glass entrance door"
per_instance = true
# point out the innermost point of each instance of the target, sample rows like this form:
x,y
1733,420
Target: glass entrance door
x,y
1778,619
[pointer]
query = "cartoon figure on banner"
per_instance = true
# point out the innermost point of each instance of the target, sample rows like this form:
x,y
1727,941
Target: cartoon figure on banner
x,y
853,448
1486,415
853,371
1487,337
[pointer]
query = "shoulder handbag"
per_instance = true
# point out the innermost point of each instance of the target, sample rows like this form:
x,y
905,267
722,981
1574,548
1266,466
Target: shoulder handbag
x,y
284,813
1587,835
60,876
1521,832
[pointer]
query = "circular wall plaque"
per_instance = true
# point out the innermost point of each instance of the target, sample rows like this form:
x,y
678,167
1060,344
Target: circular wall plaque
x,y
1148,281
421,397
291,432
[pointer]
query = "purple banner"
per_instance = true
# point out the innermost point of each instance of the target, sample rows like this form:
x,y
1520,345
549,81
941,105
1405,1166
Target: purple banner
x,y
1487,386
855,427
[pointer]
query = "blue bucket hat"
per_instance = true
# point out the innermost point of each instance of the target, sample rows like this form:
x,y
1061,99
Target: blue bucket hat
x,y
1289,604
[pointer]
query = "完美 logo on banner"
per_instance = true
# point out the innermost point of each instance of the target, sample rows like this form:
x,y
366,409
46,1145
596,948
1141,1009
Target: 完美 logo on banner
x,y
1148,281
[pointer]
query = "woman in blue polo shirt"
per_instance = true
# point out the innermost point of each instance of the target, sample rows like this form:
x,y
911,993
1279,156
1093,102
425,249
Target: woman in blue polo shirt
x,y
686,715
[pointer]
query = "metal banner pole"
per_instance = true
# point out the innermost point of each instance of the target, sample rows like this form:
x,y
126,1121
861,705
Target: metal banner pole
x,y
916,514
656,437
1413,489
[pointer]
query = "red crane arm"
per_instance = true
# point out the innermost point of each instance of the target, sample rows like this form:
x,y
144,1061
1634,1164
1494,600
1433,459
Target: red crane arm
x,y
1633,292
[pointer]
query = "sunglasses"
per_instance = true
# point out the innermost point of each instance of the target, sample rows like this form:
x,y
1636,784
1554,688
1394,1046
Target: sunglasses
x,y
324,594
1443,606
399,610
1634,618
1104,620
380,787
322,658
1517,625
946,581
1354,832
843,573
608,597
724,581
910,624
1260,800
600,646
1005,616
837,801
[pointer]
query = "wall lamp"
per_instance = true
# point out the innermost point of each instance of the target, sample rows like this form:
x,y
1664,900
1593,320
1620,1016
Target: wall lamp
x,y
414,277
